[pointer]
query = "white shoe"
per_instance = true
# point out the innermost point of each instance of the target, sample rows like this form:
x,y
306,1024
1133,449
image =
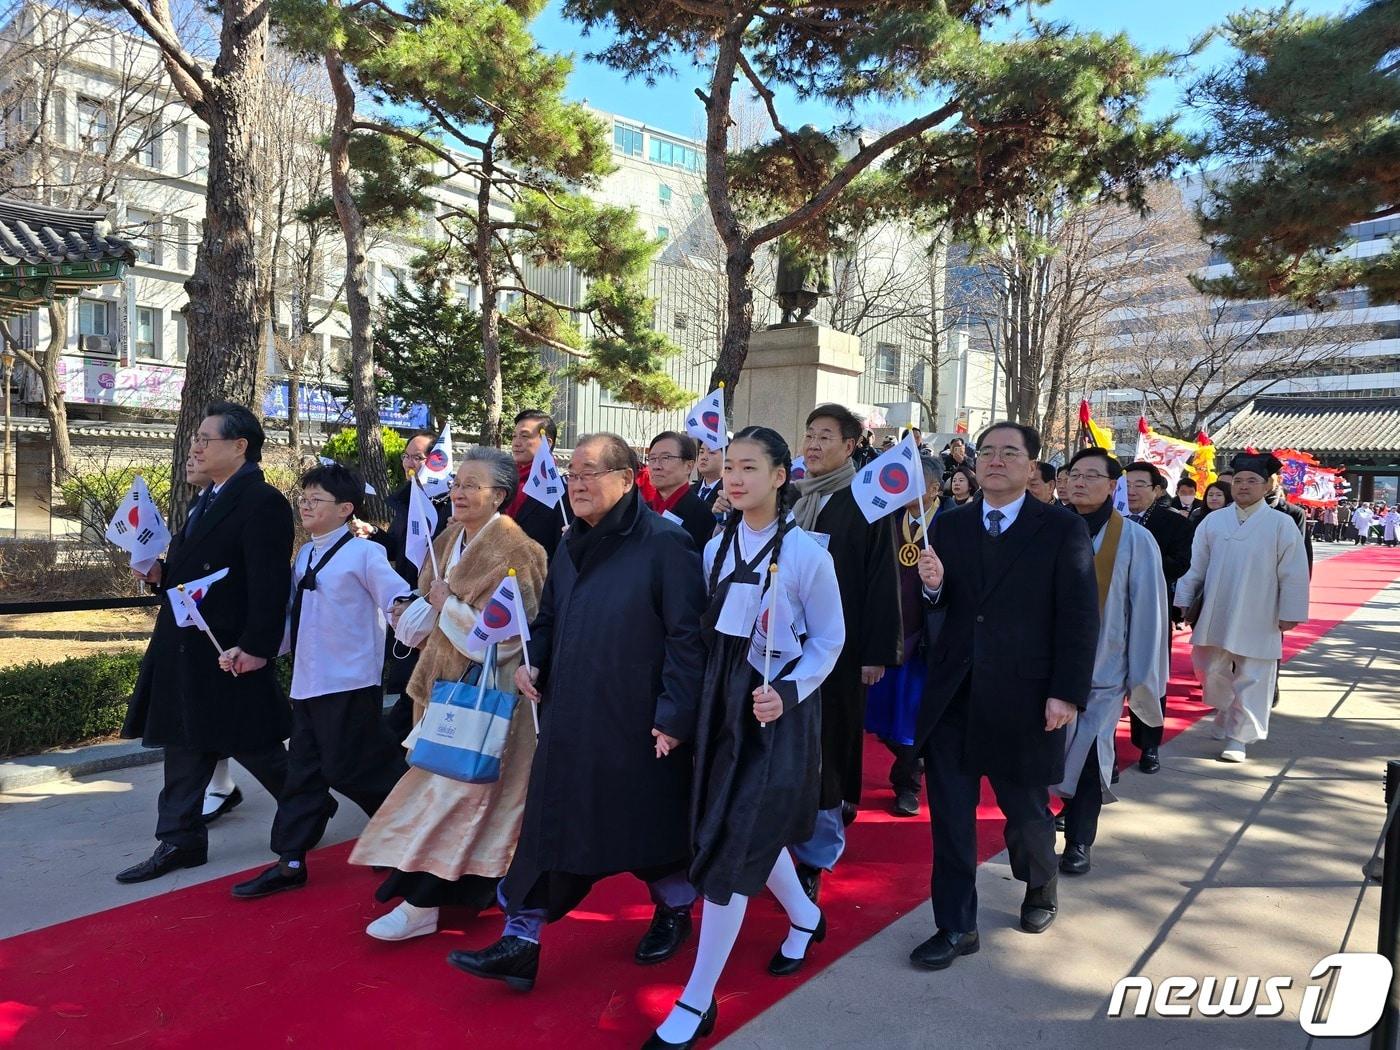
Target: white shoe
x,y
404,923
1234,752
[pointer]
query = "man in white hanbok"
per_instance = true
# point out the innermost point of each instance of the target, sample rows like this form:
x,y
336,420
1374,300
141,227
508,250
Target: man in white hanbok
x,y
1131,659
1250,569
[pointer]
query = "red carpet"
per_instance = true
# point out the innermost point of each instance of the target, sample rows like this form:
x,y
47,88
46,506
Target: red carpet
x,y
194,968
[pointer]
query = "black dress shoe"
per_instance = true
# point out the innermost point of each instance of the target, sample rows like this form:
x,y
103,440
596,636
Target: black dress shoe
x,y
939,951
163,861
781,966
227,803
848,814
271,880
1149,762
707,1025
513,960
668,930
1060,822
906,804
1114,779
1039,908
1075,860
811,879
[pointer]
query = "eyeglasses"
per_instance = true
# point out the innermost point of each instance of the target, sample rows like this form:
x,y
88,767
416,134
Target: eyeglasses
x,y
1078,475
200,441
415,457
1005,454
311,501
1141,485
578,477
663,459
470,486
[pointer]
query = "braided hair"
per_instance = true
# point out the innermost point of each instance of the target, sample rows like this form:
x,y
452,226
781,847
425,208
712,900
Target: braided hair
x,y
775,449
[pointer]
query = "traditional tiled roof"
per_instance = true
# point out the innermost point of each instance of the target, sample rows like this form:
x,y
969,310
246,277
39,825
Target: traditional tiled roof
x,y
1330,426
37,235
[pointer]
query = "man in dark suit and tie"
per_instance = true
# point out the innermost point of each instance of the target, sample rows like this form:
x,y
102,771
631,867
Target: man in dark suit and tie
x,y
183,702
1150,507
709,464
1010,670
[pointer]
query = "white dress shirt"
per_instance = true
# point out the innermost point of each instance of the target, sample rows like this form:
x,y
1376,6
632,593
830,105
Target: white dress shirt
x,y
1008,512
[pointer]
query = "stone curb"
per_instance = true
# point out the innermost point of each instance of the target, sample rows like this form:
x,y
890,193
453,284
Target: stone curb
x,y
71,763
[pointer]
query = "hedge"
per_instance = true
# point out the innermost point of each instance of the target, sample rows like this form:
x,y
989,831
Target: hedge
x,y
58,705
44,706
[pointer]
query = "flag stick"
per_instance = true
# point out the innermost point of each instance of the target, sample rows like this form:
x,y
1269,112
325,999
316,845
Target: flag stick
x,y
203,626
772,625
524,645
923,517
563,512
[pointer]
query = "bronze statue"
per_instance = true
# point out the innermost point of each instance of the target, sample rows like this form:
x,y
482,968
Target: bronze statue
x,y
804,276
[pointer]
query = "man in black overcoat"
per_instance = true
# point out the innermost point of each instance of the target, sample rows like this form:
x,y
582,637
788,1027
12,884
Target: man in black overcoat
x,y
617,663
542,524
1010,670
868,576
709,465
183,702
1151,507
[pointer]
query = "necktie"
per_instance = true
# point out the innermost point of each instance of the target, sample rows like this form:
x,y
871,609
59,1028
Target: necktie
x,y
200,506
1135,517
994,522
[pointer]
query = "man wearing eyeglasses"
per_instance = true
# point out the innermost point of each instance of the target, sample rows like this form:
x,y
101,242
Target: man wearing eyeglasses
x,y
616,663
1131,658
1009,672
183,701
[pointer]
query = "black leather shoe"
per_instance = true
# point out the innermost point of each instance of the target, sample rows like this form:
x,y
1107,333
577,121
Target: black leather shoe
x,y
513,960
939,951
1075,859
781,966
906,804
811,879
1114,779
1039,908
163,861
271,880
848,814
707,1025
227,803
1060,822
1149,762
668,930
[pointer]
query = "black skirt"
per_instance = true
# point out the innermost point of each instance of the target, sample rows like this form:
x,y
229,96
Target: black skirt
x,y
423,889
756,787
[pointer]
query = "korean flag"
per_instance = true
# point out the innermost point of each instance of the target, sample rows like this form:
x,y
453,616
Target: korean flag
x,y
889,481
436,473
705,422
503,617
184,600
544,483
138,528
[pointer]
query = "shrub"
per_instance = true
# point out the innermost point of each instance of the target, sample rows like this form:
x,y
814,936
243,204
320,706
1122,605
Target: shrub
x,y
342,446
61,704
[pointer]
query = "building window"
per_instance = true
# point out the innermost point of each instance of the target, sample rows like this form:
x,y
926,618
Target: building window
x,y
664,232
697,200
143,333
465,291
201,149
674,154
181,234
145,235
664,193
92,317
340,351
680,322
94,125
148,152
918,377
886,363
627,140
182,336
182,148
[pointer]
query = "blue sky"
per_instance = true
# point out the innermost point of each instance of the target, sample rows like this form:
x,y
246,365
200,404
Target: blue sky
x,y
672,104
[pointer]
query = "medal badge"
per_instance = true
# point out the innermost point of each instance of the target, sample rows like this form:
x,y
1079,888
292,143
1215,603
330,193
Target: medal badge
x,y
909,551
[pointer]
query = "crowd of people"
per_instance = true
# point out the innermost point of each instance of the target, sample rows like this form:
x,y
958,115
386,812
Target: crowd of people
x,y
710,640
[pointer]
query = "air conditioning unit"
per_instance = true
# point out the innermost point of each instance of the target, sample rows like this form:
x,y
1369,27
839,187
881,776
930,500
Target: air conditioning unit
x,y
96,344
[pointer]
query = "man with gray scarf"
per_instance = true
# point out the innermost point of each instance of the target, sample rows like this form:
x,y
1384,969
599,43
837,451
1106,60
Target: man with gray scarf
x,y
869,582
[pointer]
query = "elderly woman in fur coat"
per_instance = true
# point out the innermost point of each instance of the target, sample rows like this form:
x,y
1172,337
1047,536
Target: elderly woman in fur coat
x,y
448,842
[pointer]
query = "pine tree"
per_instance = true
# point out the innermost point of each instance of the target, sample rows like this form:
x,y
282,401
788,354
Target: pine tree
x,y
1308,116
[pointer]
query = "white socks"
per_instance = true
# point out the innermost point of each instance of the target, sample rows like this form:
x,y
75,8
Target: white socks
x,y
784,884
222,781
719,928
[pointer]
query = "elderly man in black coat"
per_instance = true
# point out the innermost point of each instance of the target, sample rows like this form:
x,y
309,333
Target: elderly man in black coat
x,y
1010,670
183,701
1150,507
616,662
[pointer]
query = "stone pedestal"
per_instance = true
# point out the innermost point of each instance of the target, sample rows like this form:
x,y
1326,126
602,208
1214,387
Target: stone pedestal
x,y
792,369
